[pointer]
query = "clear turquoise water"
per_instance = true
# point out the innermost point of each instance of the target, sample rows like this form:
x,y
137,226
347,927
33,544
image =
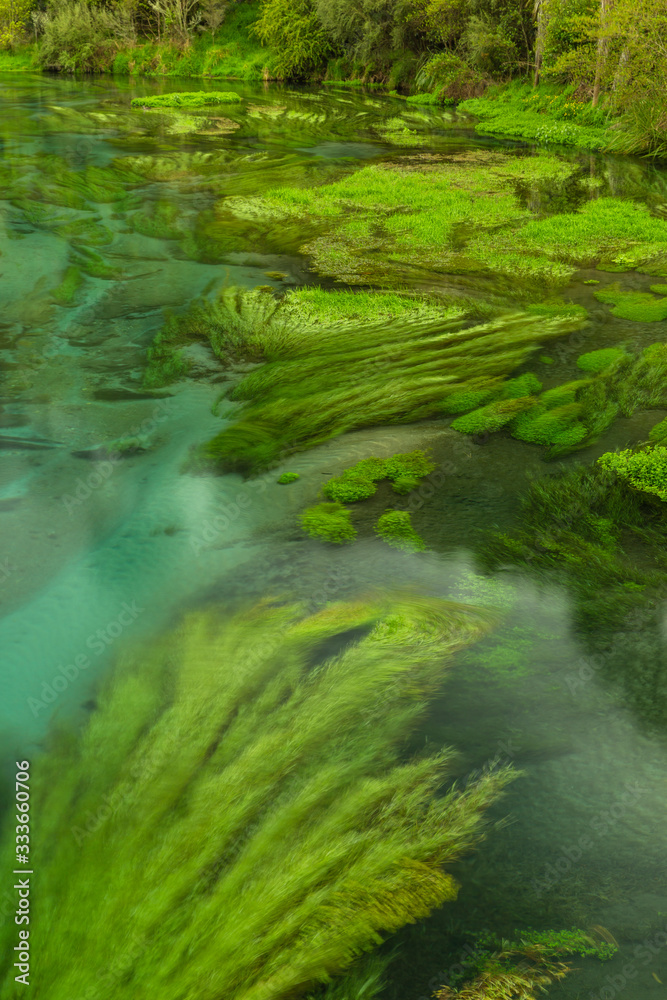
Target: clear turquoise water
x,y
94,554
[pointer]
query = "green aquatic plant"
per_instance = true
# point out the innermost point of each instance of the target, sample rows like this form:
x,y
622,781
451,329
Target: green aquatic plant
x,y
241,792
434,213
182,99
288,477
659,431
65,292
659,289
570,416
645,471
405,471
523,966
598,361
322,380
642,307
492,417
94,264
395,528
162,222
330,522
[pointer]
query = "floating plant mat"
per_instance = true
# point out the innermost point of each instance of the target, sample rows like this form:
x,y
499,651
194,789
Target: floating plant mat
x,y
332,363
265,830
456,214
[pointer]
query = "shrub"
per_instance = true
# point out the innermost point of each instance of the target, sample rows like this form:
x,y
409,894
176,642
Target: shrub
x,y
79,36
329,521
395,528
288,477
292,29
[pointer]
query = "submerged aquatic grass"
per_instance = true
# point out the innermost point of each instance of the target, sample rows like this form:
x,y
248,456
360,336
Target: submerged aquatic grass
x,y
265,829
331,380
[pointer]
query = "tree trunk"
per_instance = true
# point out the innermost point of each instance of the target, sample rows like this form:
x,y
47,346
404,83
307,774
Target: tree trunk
x,y
603,47
540,12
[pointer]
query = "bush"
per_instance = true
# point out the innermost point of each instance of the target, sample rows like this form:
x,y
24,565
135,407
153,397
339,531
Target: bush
x,y
77,36
292,29
329,521
395,528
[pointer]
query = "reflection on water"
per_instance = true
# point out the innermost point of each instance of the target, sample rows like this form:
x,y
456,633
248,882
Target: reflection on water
x,y
107,218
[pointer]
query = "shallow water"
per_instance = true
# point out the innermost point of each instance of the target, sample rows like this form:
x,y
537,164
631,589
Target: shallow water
x,y
96,552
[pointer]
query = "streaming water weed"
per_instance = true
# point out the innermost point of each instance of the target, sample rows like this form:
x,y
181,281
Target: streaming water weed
x,y
264,830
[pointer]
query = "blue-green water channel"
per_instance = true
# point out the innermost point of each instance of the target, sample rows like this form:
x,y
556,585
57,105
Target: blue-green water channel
x,y
96,552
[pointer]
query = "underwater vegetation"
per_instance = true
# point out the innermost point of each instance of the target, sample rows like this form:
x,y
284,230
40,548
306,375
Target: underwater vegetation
x,y
642,307
573,415
288,477
395,528
461,214
330,522
65,292
358,482
182,99
325,372
240,793
524,966
644,470
431,210
602,531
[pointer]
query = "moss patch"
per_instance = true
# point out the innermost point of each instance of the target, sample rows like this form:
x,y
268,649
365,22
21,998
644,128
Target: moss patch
x,y
642,307
395,528
645,471
330,522
405,471
195,99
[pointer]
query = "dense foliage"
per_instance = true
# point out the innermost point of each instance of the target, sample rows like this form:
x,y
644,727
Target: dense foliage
x,y
612,58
